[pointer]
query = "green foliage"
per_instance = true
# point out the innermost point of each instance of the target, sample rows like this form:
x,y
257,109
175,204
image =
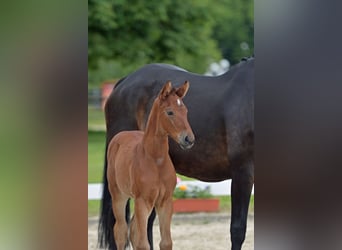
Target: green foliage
x,y
183,192
126,34
129,34
106,70
234,28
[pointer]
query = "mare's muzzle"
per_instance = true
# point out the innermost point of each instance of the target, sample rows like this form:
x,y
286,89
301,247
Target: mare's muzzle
x,y
186,141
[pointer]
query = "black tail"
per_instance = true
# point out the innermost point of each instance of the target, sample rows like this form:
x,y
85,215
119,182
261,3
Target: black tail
x,y
107,220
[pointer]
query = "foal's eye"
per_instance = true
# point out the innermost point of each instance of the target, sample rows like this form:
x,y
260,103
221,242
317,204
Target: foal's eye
x,y
169,113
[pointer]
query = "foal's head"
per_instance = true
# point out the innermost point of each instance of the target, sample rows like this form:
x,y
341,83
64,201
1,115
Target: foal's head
x,y
173,114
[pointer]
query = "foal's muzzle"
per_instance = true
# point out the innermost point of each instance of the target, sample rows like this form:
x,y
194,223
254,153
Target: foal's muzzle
x,y
186,141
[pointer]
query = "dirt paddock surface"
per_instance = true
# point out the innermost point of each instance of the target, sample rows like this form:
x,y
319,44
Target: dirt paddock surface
x,y
191,232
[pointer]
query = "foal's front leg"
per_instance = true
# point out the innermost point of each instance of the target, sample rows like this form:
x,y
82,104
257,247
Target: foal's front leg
x,y
138,228
164,211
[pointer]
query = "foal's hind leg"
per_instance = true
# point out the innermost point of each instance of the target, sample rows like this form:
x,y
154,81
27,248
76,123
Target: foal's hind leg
x,y
138,227
164,211
120,228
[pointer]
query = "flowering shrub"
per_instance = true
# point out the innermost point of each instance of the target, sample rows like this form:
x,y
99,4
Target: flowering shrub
x,y
183,192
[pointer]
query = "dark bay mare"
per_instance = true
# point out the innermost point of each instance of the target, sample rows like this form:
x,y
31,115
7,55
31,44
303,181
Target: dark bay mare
x,y
221,114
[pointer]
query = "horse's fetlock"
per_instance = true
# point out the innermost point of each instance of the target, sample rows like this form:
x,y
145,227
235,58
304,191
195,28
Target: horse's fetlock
x,y
144,246
165,245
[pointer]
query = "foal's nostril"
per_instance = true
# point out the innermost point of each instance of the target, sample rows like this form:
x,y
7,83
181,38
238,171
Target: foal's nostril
x,y
188,140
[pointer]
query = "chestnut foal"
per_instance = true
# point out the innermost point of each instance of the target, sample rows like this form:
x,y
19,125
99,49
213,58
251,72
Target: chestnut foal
x,y
139,167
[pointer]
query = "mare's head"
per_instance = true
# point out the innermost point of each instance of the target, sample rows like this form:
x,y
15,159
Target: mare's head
x,y
173,114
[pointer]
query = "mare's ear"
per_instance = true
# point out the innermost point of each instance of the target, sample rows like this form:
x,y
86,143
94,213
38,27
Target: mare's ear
x,y
166,90
182,90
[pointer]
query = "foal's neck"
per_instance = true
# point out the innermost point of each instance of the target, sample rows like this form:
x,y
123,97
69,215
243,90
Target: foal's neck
x,y
155,140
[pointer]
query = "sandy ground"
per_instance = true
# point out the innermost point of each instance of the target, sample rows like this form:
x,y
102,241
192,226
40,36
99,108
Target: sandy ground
x,y
192,232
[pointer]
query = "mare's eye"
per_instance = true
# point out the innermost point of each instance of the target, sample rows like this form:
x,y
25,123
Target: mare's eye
x,y
169,113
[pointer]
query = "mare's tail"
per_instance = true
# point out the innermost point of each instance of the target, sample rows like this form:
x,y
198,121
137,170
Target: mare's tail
x,y
107,219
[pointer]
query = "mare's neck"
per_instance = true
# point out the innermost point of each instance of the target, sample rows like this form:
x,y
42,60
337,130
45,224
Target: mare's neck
x,y
155,140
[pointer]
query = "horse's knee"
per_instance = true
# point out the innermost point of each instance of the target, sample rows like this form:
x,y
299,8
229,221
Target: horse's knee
x,y
141,245
120,234
139,241
121,228
166,241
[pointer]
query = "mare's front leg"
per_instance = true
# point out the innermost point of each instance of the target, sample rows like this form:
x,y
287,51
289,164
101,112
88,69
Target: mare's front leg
x,y
138,228
242,183
164,211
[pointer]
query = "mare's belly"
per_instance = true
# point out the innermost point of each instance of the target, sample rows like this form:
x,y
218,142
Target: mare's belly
x,y
205,165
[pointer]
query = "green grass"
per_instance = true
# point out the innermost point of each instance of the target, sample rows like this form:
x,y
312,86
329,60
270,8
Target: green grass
x,y
93,208
185,178
225,204
96,118
251,204
96,150
96,144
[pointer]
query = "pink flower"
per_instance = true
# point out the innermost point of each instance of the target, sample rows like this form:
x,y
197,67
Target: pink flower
x,y
178,179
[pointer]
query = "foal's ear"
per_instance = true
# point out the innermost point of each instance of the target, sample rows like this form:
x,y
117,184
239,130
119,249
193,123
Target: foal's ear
x,y
166,90
182,90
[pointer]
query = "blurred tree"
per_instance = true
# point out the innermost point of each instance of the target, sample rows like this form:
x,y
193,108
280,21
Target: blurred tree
x,y
126,34
132,33
234,28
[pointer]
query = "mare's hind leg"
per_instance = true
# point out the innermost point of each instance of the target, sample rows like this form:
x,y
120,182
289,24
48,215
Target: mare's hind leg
x,y
138,227
120,228
164,211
